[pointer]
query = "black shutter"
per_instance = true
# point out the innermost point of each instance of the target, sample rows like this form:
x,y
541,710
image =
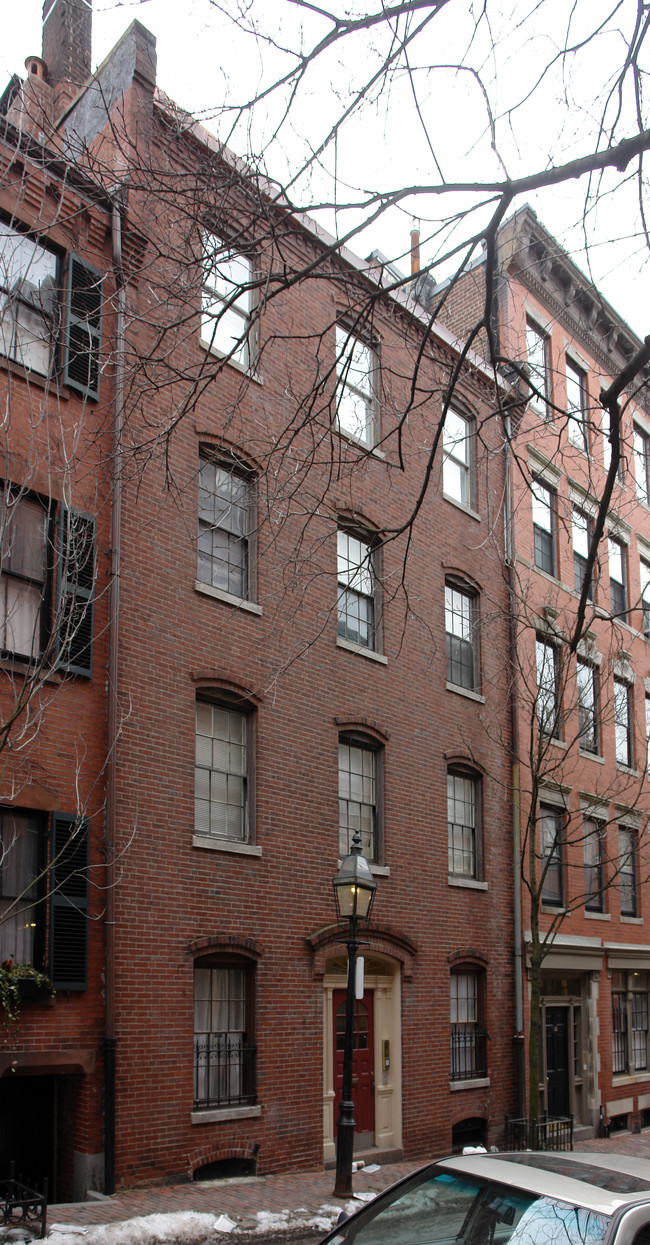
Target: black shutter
x,y
83,324
68,889
76,579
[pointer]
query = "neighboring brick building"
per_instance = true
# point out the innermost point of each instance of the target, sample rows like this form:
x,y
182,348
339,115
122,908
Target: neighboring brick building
x,y
260,690
584,717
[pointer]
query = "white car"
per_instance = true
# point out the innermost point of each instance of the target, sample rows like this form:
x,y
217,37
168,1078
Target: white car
x,y
527,1198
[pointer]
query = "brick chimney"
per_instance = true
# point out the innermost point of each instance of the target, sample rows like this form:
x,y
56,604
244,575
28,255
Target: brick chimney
x,y
31,108
67,36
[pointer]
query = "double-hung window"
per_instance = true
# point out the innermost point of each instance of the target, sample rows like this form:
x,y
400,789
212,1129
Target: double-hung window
x,y
357,590
644,573
623,722
468,1037
587,684
461,627
617,577
224,516
629,1022
581,536
548,686
20,866
24,524
224,1046
594,855
642,464
462,818
457,443
537,357
543,499
29,301
356,401
358,795
551,823
628,871
221,773
226,301
576,402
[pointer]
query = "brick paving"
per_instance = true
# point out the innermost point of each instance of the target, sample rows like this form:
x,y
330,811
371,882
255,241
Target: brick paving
x,y
242,1198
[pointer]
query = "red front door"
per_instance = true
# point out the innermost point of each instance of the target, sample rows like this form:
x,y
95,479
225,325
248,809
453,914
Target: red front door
x,y
363,1070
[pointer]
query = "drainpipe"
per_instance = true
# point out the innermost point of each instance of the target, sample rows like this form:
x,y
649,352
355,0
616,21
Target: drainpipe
x,y
110,1040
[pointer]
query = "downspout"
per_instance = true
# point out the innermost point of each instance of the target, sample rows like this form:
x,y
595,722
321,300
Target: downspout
x,y
110,1040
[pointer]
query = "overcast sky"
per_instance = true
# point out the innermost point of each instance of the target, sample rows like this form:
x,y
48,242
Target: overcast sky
x,y
203,63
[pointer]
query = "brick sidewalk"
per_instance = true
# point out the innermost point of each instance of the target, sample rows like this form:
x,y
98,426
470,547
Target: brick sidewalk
x,y
302,1194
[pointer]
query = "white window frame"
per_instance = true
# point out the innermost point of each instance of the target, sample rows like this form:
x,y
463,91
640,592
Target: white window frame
x,y
226,301
538,361
641,452
222,772
29,300
576,394
357,589
457,462
356,387
224,527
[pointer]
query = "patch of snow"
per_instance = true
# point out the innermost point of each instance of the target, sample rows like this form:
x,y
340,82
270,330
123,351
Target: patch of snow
x,y
178,1228
224,1224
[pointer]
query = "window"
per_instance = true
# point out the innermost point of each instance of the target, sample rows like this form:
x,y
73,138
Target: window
x,y
23,575
617,577
355,390
461,623
538,368
457,444
29,304
83,328
468,1036
224,1046
462,817
641,442
69,885
576,403
594,849
75,591
629,1022
221,779
224,510
543,526
551,822
647,734
20,924
581,536
226,304
623,722
587,681
548,687
627,875
356,590
358,795
644,571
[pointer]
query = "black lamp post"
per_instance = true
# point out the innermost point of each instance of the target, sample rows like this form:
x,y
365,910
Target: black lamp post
x,y
354,891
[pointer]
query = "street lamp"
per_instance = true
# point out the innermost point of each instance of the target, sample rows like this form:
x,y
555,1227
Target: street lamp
x,y
354,891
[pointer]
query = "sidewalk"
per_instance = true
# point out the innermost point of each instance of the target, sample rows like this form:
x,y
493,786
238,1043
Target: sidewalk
x,y
298,1204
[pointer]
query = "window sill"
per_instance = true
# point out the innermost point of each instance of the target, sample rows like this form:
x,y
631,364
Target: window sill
x,y
49,384
239,603
361,650
553,909
465,691
453,501
225,1113
631,920
238,367
597,916
627,769
20,666
477,1082
380,871
456,879
225,845
629,1078
556,743
371,450
591,756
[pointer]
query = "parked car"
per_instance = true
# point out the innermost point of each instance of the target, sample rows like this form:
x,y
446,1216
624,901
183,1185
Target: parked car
x,y
527,1198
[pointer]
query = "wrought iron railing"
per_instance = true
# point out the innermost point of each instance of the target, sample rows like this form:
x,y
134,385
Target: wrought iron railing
x,y
21,1206
224,1072
550,1132
468,1053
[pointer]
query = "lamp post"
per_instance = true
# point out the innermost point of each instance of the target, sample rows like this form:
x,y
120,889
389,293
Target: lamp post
x,y
354,891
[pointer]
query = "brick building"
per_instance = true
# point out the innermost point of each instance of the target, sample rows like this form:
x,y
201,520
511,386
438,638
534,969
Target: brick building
x,y
301,642
583,712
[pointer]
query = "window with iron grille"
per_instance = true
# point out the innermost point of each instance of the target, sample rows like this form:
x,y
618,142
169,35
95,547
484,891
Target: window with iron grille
x,y
594,853
359,805
226,301
628,871
587,683
551,825
537,357
623,722
457,462
224,1045
617,577
462,821
461,627
221,775
468,1037
225,503
576,398
641,442
629,1022
547,659
581,536
357,590
356,387
543,499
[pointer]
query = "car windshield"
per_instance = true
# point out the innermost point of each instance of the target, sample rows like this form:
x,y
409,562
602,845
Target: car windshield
x,y
446,1209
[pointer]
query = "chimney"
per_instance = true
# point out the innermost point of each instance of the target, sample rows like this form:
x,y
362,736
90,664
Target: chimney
x,y
31,108
415,248
67,35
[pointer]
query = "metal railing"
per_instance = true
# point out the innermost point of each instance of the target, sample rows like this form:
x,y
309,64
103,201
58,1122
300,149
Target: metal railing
x,y
468,1053
20,1206
224,1072
550,1132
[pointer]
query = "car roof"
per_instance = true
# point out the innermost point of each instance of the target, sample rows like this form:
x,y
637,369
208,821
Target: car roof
x,y
601,1182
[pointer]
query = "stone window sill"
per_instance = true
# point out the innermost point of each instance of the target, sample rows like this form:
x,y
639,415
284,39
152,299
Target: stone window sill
x,y
465,691
361,650
225,1113
225,845
478,1082
453,501
239,603
238,367
455,879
